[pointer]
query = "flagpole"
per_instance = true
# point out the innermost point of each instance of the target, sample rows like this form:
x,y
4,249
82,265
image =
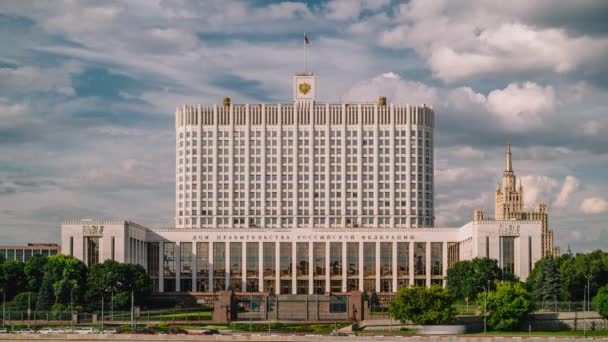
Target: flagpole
x,y
305,52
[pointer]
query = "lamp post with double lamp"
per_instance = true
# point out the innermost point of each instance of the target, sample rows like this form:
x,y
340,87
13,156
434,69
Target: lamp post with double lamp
x,y
586,304
72,306
485,307
3,306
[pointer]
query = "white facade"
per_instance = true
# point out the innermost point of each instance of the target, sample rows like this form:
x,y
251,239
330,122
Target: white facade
x,y
304,198
304,164
304,260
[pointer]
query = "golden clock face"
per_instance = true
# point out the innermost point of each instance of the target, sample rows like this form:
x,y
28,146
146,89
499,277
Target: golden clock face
x,y
304,88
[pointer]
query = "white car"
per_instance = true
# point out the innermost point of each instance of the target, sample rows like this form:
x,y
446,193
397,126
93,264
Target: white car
x,y
86,330
25,331
3,330
110,331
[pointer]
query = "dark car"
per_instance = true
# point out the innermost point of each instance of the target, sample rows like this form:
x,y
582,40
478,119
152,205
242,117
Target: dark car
x,y
211,332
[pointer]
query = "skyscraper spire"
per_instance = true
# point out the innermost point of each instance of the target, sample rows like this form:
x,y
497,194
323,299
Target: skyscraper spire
x,y
509,164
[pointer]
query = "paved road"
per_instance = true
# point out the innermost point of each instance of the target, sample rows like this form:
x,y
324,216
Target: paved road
x,y
279,337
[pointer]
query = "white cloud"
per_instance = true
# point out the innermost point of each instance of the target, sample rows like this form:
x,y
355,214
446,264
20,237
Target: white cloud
x,y
28,79
396,90
594,205
473,39
537,188
522,106
570,185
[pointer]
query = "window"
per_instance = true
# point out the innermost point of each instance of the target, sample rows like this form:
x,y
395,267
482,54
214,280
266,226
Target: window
x,y
352,258
285,260
507,254
335,259
369,259
302,258
252,259
386,258
169,259
403,259
269,259
112,248
436,258
319,259
420,258
219,266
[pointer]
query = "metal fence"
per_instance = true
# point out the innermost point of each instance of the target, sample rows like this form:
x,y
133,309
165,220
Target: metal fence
x,y
165,315
472,308
291,308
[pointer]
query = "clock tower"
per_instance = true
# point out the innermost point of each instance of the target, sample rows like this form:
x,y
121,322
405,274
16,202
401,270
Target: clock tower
x,y
304,88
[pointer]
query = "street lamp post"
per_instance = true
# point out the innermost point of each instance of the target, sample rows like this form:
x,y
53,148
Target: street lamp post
x,y
112,305
72,306
132,312
3,307
485,308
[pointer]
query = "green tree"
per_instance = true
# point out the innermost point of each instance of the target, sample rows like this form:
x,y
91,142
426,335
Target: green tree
x,y
600,302
468,278
34,271
46,296
507,306
544,282
422,305
117,277
575,270
13,278
22,301
64,274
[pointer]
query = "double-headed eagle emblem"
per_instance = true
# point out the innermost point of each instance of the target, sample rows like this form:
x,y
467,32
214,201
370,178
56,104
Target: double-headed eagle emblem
x,y
304,88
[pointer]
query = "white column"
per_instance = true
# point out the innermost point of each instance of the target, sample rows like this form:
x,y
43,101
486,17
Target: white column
x,y
411,262
227,263
294,272
210,266
428,263
394,265
327,264
277,268
244,260
377,266
310,269
178,266
261,266
194,264
344,267
445,261
360,266
161,266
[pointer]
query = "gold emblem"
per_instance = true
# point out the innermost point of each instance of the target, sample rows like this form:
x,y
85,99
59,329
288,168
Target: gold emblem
x,y
304,88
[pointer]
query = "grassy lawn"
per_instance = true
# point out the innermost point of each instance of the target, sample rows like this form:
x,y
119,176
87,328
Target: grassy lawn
x,y
201,315
170,314
278,327
544,333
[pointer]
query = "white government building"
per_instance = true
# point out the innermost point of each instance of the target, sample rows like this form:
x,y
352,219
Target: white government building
x,y
308,198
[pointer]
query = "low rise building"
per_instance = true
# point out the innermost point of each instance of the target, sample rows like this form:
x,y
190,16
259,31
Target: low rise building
x,y
24,253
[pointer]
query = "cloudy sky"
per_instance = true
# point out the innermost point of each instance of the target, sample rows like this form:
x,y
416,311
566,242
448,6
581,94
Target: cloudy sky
x,y
88,92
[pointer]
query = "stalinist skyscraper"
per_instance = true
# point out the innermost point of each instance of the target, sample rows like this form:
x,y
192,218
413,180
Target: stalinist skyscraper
x,y
509,205
509,198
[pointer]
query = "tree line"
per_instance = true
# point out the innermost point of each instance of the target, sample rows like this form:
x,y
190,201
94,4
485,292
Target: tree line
x,y
506,300
61,283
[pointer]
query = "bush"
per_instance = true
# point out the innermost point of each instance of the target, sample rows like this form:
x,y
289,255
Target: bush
x,y
600,302
422,305
508,306
20,302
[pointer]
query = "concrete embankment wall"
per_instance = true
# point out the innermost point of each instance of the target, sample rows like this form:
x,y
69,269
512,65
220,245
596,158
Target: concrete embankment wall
x,y
273,338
